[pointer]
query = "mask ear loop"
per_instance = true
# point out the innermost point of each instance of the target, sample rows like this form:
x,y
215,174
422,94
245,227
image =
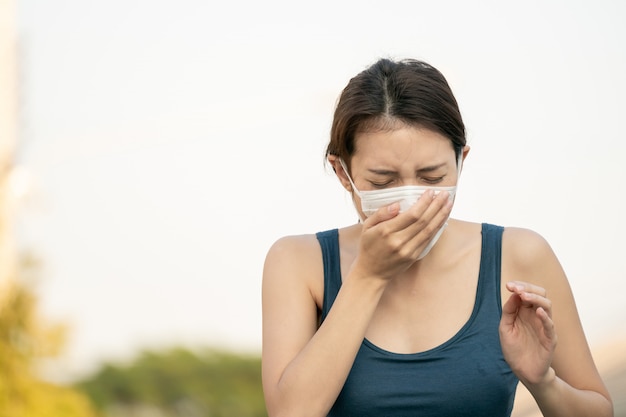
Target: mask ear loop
x,y
356,190
345,169
459,165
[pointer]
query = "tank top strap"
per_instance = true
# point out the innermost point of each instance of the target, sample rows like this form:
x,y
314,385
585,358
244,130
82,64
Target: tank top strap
x,y
329,242
489,277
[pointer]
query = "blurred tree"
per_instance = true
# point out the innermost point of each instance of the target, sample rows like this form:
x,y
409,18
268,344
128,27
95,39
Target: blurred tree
x,y
25,337
179,383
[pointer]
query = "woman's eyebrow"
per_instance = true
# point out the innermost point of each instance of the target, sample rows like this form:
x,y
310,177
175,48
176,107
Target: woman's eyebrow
x,y
423,170
383,172
430,168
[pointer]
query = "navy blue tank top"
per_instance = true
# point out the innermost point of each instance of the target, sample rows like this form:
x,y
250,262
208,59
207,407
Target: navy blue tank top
x,y
465,376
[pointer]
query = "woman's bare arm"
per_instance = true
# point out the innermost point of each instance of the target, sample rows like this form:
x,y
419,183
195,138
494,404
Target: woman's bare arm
x,y
571,385
304,368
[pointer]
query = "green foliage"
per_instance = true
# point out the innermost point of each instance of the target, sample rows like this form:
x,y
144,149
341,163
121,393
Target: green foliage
x,y
179,383
24,337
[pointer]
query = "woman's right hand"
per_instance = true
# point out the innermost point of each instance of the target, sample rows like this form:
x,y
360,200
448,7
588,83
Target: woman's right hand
x,y
392,241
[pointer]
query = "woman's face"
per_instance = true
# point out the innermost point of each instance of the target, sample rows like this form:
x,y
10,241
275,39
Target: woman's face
x,y
409,155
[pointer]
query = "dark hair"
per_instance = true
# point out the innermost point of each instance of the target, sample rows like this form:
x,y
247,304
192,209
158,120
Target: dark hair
x,y
408,91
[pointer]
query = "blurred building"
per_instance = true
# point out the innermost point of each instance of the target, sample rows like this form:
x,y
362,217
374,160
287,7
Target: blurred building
x,y
8,136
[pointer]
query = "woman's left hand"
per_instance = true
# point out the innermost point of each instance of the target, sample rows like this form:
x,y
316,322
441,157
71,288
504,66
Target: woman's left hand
x,y
527,332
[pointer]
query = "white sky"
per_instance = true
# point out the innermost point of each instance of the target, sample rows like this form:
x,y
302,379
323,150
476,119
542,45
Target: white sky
x,y
173,142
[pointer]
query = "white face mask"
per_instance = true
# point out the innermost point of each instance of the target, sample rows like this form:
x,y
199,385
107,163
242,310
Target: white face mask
x,y
407,195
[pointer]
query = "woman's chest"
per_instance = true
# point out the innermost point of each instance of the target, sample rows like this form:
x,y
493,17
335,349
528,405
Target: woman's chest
x,y
466,377
419,315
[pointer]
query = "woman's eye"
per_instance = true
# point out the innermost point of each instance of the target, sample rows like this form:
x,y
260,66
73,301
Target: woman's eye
x,y
435,180
380,184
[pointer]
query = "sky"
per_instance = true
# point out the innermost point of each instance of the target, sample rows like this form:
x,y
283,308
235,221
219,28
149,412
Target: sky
x,y
169,144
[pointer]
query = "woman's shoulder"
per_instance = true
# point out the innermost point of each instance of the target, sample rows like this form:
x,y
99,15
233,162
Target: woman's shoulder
x,y
524,244
297,246
521,247
301,253
308,244
528,256
293,265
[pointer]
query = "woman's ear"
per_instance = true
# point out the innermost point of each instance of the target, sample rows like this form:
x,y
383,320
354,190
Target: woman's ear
x,y
341,173
466,150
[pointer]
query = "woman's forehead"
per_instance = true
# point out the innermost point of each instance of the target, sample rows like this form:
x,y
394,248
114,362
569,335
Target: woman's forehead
x,y
408,142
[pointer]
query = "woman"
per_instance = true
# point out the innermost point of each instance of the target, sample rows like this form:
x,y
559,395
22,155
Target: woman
x,y
408,312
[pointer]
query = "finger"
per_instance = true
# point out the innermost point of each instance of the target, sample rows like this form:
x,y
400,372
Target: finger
x,y
418,232
412,230
427,215
536,301
509,310
520,286
546,321
439,213
383,214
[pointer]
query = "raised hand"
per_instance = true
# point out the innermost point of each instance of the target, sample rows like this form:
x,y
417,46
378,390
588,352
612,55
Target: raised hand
x,y
527,333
